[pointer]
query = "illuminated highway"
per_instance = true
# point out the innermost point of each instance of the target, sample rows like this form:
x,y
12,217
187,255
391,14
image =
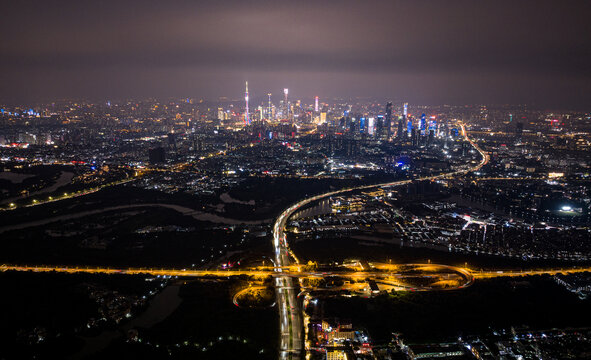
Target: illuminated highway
x,y
400,277
381,270
65,196
290,314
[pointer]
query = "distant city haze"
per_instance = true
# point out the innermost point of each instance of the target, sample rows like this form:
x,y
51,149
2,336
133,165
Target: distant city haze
x,y
426,52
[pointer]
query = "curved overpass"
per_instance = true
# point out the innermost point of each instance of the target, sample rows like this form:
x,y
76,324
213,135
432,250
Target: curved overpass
x,y
290,319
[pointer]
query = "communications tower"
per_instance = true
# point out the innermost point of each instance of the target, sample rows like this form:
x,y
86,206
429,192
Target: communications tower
x,y
246,117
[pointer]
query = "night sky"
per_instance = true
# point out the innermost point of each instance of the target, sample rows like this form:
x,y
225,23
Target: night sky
x,y
426,52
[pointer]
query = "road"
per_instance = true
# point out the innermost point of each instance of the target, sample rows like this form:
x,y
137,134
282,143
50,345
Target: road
x,y
294,273
290,314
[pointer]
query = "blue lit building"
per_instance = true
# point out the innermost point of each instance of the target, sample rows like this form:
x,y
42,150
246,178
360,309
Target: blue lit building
x,y
423,125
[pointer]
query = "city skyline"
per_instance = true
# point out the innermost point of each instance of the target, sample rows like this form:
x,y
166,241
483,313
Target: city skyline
x,y
334,180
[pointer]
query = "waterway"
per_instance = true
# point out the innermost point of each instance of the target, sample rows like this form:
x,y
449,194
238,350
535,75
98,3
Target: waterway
x,y
198,215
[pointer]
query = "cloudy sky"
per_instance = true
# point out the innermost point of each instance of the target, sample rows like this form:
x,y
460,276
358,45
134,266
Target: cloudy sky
x,y
427,52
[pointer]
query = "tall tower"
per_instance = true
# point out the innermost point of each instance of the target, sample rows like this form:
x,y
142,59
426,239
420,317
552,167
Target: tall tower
x,y
246,118
285,104
316,104
270,108
408,122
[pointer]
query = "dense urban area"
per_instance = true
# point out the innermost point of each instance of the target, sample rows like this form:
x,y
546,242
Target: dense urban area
x,y
365,229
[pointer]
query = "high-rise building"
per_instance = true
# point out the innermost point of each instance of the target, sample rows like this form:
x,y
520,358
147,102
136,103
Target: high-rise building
x,y
316,104
353,125
432,124
371,126
285,104
270,108
379,126
388,119
400,131
246,117
423,124
406,119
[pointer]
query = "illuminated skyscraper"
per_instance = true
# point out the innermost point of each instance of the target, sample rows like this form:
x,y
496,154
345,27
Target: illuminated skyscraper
x,y
432,124
423,124
316,104
285,104
270,108
246,118
371,126
405,117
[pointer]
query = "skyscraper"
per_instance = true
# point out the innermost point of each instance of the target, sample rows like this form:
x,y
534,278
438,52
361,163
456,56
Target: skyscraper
x,y
423,124
379,126
285,104
371,126
405,118
270,108
433,124
246,117
400,132
316,104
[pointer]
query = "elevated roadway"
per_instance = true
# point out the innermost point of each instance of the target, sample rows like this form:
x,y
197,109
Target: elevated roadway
x,y
290,313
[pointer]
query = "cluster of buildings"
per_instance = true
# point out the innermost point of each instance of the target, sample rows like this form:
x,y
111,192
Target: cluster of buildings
x,y
504,344
337,339
394,217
